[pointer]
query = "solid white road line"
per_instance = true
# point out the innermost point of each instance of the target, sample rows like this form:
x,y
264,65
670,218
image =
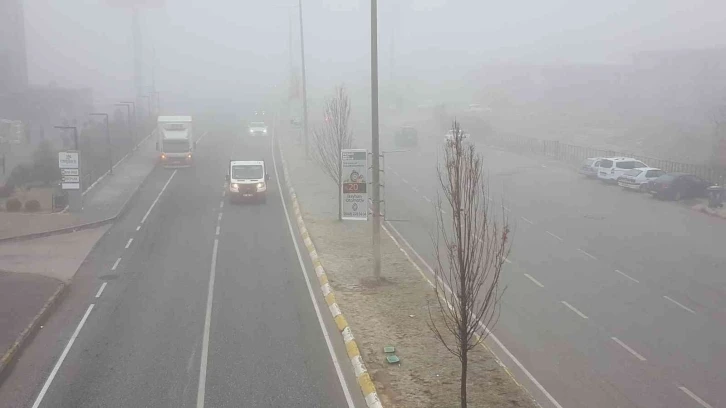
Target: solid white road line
x,y
527,221
486,329
157,197
681,305
115,264
207,325
303,269
625,346
569,306
695,397
58,364
536,282
128,244
588,254
100,290
555,236
629,277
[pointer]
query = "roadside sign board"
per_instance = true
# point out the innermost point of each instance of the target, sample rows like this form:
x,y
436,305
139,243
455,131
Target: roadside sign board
x,y
71,179
354,185
68,160
71,186
69,172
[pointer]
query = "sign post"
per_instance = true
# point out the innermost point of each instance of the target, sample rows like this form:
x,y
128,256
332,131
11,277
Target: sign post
x,y
69,163
354,197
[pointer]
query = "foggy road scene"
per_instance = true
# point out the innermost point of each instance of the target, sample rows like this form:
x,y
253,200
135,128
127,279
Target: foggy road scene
x,y
362,204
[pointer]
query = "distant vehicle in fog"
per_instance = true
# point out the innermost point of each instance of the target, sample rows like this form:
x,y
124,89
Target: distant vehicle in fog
x,y
258,129
589,166
612,168
637,179
675,186
476,108
406,136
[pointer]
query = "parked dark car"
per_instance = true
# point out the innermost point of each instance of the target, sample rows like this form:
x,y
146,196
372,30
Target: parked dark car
x,y
675,186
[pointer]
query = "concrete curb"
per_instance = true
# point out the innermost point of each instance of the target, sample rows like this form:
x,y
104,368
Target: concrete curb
x,y
703,208
80,227
364,379
26,336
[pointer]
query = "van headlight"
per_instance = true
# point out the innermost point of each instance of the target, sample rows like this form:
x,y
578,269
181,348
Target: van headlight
x,y
234,187
264,130
261,187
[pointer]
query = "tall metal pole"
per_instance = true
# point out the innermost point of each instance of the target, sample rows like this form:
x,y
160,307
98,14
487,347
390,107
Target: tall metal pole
x,y
138,53
108,141
128,113
304,82
375,148
133,116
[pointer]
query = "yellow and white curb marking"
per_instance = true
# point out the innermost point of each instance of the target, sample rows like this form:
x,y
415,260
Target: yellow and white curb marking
x,y
359,367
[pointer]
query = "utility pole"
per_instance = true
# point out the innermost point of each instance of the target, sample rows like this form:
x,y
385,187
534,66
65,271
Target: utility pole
x,y
138,53
375,148
304,82
108,141
128,111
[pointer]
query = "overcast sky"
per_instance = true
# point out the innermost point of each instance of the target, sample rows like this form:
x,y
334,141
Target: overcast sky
x,y
219,47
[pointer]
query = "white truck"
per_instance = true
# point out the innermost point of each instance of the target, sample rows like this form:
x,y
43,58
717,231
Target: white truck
x,y
175,141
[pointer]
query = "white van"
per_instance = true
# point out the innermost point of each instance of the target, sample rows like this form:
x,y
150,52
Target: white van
x,y
611,168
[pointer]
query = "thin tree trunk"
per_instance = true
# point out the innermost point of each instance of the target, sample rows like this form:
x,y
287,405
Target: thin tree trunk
x,y
464,362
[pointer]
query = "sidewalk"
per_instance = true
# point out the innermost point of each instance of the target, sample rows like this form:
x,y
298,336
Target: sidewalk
x,y
101,202
44,251
391,313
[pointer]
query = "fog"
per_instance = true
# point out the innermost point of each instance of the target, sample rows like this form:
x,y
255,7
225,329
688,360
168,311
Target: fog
x,y
235,53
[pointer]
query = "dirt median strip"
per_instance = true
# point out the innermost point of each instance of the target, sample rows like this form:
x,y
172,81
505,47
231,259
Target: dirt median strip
x,y
27,334
392,311
364,380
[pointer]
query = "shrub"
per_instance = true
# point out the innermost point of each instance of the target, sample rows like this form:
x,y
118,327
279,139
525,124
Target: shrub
x,y
7,190
13,205
32,206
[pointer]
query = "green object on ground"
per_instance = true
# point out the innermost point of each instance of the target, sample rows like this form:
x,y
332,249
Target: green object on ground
x,y
389,349
393,359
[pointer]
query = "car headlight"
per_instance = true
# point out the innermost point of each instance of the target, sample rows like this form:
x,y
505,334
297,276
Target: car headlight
x,y
264,131
234,187
261,187
252,131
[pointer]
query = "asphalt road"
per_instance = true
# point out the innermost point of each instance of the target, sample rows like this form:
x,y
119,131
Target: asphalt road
x,y
613,299
158,326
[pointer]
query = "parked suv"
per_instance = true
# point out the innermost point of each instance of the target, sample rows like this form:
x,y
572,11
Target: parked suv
x,y
612,168
589,167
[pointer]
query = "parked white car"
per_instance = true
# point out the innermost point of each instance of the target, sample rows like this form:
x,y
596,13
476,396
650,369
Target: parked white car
x,y
589,166
612,168
637,179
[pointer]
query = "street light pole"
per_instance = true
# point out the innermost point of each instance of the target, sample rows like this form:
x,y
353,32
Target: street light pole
x,y
374,143
108,141
133,108
75,134
304,82
128,115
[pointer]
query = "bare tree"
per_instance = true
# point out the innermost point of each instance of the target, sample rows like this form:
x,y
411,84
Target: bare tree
x,y
468,271
333,136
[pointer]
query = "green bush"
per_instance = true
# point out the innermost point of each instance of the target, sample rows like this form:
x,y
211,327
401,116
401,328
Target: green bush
x,y
32,206
13,205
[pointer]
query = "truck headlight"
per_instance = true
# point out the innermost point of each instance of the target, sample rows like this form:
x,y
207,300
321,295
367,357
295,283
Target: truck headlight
x,y
264,131
261,187
252,131
234,187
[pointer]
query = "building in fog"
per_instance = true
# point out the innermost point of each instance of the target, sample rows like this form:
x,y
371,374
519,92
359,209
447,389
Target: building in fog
x,y
13,61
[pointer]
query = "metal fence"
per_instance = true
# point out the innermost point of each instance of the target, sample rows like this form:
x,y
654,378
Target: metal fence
x,y
576,154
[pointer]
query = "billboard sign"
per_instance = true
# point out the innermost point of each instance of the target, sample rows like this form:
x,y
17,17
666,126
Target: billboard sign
x,y
354,185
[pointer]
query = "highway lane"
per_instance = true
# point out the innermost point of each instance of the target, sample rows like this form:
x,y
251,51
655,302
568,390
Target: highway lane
x,y
576,264
142,342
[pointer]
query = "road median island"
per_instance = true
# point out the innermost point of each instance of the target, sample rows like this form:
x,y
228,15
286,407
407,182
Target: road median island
x,y
392,312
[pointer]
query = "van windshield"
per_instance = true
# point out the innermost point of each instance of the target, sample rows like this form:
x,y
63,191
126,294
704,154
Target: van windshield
x,y
247,172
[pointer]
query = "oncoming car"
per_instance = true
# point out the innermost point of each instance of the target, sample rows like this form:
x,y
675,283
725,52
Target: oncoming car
x,y
258,129
247,181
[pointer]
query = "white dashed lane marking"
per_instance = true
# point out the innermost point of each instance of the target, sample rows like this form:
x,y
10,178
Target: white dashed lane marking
x,y
113,268
100,290
507,260
569,306
427,199
695,397
627,276
128,244
626,347
138,227
527,221
680,305
555,236
536,282
588,254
